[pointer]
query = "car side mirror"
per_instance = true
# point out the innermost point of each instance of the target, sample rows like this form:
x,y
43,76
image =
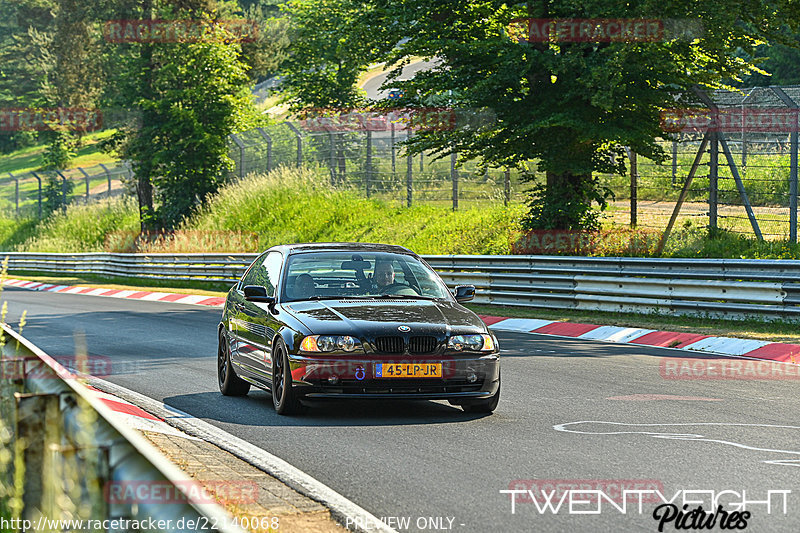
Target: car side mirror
x,y
464,293
257,293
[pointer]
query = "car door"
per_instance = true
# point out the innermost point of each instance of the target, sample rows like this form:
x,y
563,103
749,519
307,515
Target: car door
x,y
256,321
237,324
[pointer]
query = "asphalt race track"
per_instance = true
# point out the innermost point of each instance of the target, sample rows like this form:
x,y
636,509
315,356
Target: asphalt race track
x,y
570,411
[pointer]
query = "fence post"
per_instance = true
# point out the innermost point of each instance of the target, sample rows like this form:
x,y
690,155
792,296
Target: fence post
x,y
86,177
674,162
744,151
267,138
420,162
332,157
63,190
108,178
299,143
506,187
634,186
454,178
16,193
793,141
394,158
39,179
240,144
409,174
368,169
713,175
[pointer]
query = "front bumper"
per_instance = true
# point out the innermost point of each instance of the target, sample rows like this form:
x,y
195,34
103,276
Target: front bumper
x,y
349,377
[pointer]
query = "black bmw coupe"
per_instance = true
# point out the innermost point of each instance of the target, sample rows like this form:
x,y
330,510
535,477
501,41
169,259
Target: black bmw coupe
x,y
351,320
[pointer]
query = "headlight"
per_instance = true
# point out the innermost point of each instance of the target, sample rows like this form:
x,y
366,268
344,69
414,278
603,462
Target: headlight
x,y
329,343
475,343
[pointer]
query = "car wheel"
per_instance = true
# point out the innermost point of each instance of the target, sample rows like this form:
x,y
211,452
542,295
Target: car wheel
x,y
284,396
229,383
484,406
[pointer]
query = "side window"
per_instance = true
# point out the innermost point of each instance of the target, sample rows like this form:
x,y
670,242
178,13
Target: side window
x,y
271,271
250,275
265,272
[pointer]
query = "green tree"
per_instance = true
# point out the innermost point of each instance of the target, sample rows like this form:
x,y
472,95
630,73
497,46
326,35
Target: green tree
x,y
192,96
571,106
331,46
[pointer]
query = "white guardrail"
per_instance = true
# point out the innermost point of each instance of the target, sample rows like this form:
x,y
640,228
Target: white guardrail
x,y
744,288
73,448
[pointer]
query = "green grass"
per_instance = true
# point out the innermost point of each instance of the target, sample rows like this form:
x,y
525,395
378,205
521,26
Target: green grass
x,y
31,158
292,205
298,205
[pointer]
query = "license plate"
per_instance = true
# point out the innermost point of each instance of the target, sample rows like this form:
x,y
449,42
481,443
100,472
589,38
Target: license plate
x,y
408,370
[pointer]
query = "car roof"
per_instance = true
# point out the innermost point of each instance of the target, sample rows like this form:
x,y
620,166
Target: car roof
x,y
287,249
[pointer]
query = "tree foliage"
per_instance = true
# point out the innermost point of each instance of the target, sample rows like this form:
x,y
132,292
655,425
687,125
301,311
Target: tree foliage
x,y
191,96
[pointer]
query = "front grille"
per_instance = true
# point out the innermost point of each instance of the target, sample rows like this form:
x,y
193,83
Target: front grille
x,y
393,344
418,345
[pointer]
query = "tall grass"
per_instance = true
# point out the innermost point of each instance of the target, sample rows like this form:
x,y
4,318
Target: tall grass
x,y
298,205
82,228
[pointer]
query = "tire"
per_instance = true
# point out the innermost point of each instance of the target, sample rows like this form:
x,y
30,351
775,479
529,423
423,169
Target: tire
x,y
229,383
484,406
284,396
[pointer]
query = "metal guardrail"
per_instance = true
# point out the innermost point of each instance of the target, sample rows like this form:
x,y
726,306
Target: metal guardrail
x,y
738,288
72,446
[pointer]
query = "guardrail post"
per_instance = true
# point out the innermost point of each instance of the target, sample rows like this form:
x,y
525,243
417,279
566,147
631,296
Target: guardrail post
x,y
299,143
108,177
39,179
16,193
91,464
37,427
86,177
454,179
267,138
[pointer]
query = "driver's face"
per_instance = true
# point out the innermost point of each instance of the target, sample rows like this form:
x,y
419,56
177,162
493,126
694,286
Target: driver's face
x,y
384,275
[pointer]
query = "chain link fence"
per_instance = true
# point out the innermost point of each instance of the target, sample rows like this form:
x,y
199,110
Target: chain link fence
x,y
24,194
375,163
742,146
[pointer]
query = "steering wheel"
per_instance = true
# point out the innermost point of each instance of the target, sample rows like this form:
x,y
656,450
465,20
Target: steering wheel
x,y
398,289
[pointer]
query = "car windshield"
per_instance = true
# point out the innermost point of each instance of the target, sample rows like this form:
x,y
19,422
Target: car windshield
x,y
341,275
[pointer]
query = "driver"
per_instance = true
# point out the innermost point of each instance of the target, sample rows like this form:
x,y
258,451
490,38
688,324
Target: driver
x,y
304,286
384,274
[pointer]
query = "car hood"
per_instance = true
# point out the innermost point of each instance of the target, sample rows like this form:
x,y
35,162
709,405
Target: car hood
x,y
374,317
